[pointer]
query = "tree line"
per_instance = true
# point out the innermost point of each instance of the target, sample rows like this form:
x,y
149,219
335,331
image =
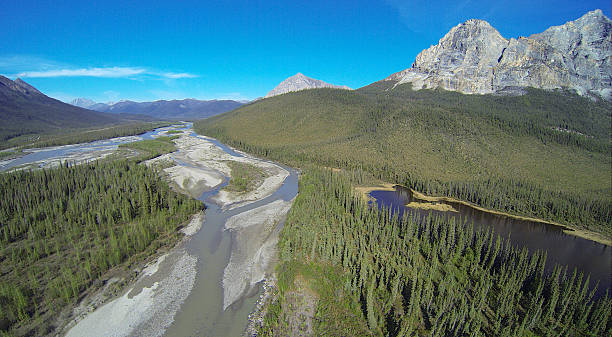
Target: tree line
x,y
61,229
427,277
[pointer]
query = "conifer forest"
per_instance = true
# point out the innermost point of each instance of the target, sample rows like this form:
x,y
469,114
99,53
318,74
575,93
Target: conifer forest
x,y
380,275
63,228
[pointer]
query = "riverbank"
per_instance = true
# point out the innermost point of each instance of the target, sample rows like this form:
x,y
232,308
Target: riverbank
x,y
148,306
50,157
211,162
199,168
254,237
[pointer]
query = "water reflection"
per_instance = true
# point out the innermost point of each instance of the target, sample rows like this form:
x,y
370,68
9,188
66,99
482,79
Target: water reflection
x,y
588,256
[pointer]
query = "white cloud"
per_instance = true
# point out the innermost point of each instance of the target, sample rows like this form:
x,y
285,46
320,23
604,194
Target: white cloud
x,y
27,66
178,75
90,72
109,72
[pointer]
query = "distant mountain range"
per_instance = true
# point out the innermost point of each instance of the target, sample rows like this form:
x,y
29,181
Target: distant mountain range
x,y
299,82
474,58
25,110
186,109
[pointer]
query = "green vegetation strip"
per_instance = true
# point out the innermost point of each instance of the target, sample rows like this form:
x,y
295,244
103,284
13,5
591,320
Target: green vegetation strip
x,y
75,136
62,229
151,148
365,273
245,177
509,154
8,154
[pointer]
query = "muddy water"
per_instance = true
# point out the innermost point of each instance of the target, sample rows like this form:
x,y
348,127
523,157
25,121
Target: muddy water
x,y
585,255
202,312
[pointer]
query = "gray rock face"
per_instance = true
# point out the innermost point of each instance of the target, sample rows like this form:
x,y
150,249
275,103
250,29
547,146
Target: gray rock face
x,y
474,58
299,82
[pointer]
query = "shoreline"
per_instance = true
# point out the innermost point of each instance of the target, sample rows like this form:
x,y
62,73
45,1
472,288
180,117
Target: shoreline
x,y
567,229
365,191
255,319
255,234
146,303
441,207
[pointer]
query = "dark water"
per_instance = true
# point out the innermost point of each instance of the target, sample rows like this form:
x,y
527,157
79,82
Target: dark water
x,y
585,255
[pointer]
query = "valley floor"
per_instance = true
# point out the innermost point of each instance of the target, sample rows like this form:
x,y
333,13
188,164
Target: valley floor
x,y
150,304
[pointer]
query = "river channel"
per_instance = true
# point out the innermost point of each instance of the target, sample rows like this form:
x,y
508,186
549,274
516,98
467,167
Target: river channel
x,y
585,255
197,309
48,156
202,312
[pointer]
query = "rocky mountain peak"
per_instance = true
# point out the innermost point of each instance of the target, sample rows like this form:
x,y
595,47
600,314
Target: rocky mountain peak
x,y
82,102
300,82
18,87
473,57
469,50
592,23
594,14
470,35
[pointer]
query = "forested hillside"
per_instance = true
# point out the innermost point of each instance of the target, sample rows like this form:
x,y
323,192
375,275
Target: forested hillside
x,y
544,154
349,270
28,116
62,229
25,110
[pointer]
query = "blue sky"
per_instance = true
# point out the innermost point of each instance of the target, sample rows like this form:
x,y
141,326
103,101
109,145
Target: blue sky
x,y
148,50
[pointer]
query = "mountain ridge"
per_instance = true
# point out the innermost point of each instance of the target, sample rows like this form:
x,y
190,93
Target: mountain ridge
x,y
25,110
165,109
474,58
299,82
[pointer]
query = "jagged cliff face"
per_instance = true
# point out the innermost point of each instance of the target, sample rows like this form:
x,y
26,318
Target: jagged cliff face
x,y
463,60
474,58
300,82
